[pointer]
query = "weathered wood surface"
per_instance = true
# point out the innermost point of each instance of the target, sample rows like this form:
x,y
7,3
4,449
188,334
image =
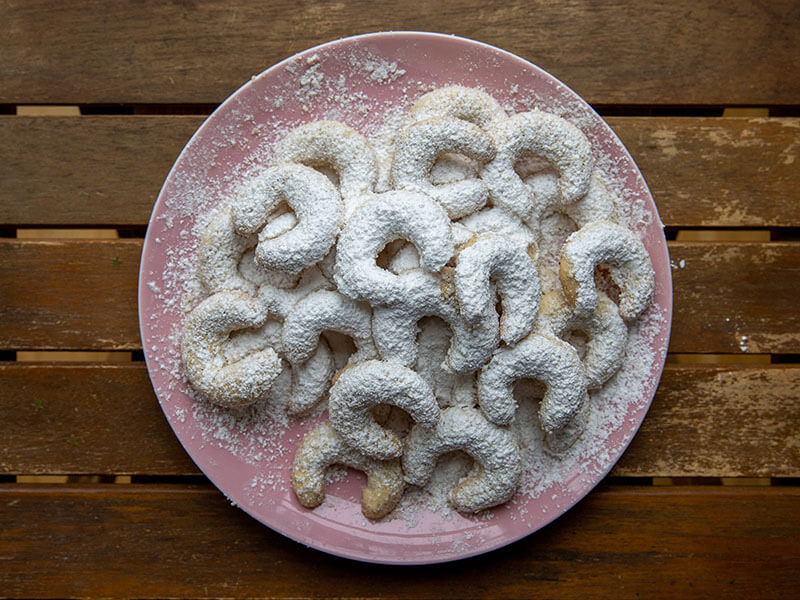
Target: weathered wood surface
x,y
69,294
609,52
169,541
105,419
729,297
703,172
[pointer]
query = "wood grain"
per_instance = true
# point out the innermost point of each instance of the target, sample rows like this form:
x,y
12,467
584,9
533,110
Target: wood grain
x,y
98,171
718,172
201,51
649,542
69,294
81,295
735,297
107,171
105,419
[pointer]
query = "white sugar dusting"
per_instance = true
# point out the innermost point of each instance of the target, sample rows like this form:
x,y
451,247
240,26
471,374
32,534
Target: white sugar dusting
x,y
262,434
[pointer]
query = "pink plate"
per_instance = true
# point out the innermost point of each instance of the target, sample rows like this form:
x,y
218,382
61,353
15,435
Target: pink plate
x,y
364,81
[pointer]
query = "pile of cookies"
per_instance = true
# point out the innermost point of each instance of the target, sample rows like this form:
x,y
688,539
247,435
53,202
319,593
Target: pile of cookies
x,y
313,244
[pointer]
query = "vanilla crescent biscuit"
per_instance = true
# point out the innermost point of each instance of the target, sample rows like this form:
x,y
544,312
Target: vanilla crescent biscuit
x,y
219,253
618,248
513,271
547,359
364,385
333,145
468,104
501,223
496,474
207,328
259,276
380,220
606,331
317,208
394,327
450,389
323,447
419,146
597,204
279,299
326,310
543,135
310,380
406,257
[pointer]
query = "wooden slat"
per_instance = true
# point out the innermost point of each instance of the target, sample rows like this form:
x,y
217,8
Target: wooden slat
x,y
155,542
69,294
86,171
610,52
710,422
108,170
735,297
729,298
85,419
710,172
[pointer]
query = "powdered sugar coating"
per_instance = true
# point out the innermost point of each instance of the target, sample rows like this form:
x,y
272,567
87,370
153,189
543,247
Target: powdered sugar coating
x,y
323,447
317,209
422,143
544,135
606,331
544,358
219,255
513,271
496,472
311,380
326,310
371,383
207,328
468,104
394,326
335,146
606,243
380,220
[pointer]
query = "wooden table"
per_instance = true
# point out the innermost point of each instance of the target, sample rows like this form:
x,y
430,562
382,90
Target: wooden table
x,y
97,497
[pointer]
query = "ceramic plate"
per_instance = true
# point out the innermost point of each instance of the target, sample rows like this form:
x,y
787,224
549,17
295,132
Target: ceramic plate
x,y
366,81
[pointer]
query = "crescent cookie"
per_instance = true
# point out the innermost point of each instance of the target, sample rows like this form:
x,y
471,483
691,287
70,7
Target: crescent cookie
x,y
422,143
364,385
335,146
494,478
310,380
598,203
317,209
279,300
513,271
606,243
325,310
501,223
323,447
219,254
546,136
606,331
450,389
468,104
380,220
394,327
206,330
547,359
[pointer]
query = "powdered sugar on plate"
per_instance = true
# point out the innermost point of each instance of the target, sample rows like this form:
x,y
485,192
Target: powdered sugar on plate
x,y
369,84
